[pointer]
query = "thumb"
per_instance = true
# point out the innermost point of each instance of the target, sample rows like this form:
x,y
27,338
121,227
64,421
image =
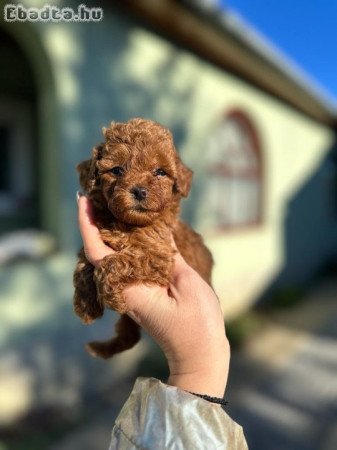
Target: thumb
x,y
94,247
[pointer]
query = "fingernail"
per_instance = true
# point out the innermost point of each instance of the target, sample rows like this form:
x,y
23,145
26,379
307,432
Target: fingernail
x,y
78,195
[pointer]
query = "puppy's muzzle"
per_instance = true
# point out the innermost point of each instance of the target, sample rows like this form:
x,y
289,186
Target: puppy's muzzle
x,y
139,193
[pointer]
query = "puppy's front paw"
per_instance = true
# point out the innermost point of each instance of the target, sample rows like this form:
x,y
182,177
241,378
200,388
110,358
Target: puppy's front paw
x,y
110,278
116,302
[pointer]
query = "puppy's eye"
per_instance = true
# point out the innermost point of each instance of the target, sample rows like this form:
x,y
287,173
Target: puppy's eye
x,y
117,171
160,172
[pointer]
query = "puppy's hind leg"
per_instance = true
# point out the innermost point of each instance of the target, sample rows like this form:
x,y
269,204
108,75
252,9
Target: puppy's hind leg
x,y
86,303
128,334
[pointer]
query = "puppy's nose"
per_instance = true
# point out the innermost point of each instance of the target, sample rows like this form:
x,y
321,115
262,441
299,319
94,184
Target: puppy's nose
x,y
139,192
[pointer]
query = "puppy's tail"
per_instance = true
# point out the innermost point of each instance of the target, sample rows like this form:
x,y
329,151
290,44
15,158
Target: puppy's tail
x,y
128,334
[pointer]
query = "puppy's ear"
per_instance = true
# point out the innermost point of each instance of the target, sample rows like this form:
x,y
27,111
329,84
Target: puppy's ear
x,y
183,180
83,168
88,171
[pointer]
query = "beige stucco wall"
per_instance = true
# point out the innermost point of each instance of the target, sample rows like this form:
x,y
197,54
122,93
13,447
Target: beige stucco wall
x,y
292,147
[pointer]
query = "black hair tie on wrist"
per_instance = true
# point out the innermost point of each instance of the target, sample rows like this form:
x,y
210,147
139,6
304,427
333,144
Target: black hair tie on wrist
x,y
218,400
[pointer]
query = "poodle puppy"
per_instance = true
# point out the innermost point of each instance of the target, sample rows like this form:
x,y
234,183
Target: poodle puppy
x,y
135,180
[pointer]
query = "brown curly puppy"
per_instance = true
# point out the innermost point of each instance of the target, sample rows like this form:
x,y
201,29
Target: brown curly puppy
x,y
135,180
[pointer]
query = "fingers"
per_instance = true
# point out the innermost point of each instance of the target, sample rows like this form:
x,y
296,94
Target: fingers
x,y
183,277
179,262
94,247
149,306
138,295
180,266
185,282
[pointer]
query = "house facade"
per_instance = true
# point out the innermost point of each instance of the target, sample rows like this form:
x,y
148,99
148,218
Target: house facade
x,y
259,139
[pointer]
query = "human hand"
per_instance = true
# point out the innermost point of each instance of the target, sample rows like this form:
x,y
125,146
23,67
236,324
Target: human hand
x,y
185,318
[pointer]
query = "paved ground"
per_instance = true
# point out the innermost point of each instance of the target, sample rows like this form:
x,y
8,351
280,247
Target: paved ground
x,y
283,384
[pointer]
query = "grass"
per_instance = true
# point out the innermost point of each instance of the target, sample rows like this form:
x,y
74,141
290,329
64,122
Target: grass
x,y
284,298
240,329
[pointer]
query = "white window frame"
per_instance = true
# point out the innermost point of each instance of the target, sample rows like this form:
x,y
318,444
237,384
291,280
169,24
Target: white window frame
x,y
234,189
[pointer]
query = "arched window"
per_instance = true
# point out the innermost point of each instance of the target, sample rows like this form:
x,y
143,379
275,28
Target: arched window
x,y
234,169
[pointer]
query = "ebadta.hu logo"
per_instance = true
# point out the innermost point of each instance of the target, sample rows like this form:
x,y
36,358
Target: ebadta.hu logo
x,y
49,13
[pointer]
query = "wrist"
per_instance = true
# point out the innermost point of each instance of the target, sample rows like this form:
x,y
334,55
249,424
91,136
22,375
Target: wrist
x,y
200,384
203,375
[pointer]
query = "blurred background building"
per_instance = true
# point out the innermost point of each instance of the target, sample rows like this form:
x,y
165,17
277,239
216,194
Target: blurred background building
x,y
258,135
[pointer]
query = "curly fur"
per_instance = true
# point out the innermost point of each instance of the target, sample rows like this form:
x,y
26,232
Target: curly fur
x,y
136,210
